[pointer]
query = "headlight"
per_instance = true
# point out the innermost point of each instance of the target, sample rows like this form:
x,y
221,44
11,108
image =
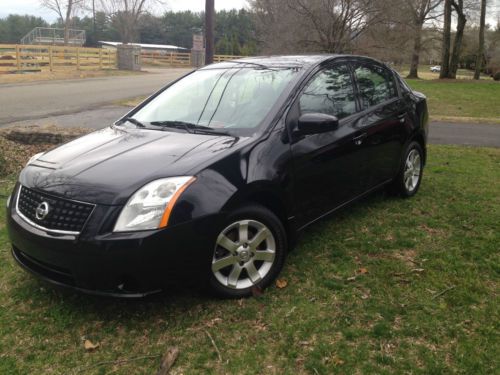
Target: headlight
x,y
33,158
150,206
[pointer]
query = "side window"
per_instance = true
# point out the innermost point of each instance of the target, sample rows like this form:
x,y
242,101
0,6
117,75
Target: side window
x,y
330,92
375,84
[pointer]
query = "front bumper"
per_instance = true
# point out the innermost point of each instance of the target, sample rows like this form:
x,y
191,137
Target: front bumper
x,y
114,264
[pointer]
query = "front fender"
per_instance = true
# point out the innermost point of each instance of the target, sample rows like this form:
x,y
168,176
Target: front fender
x,y
261,173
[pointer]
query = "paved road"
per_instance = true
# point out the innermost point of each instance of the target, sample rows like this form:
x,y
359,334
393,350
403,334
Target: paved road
x,y
43,99
446,133
87,103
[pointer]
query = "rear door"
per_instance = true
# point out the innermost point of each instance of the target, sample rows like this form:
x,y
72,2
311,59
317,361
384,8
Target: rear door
x,y
329,168
383,119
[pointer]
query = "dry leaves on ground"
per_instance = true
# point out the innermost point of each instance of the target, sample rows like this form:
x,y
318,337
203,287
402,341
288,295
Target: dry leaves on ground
x,y
281,283
362,271
89,345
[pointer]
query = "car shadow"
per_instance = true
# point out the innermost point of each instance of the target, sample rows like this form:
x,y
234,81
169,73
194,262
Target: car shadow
x,y
357,208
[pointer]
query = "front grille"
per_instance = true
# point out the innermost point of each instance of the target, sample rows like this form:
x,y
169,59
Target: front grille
x,y
63,214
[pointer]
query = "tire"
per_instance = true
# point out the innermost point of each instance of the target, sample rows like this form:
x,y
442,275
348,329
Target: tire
x,y
249,252
407,182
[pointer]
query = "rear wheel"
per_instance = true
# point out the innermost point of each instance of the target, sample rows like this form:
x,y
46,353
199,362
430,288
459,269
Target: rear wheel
x,y
408,180
249,252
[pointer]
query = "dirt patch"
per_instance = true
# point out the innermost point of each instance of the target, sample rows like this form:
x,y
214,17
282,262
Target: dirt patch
x,y
34,135
407,257
433,232
19,144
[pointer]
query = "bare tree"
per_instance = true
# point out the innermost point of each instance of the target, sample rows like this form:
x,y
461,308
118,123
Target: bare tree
x,y
463,10
421,11
480,50
273,21
337,23
314,25
125,15
65,10
388,41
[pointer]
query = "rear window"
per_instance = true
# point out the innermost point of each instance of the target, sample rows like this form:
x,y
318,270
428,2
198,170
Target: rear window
x,y
375,84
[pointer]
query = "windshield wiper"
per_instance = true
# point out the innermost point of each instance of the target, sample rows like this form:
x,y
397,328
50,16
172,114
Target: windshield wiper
x,y
134,121
191,128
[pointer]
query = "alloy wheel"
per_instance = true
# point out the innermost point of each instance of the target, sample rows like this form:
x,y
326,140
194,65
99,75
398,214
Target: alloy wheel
x,y
244,254
413,166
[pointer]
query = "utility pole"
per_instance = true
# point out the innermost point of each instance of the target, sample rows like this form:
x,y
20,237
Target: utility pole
x,y
209,31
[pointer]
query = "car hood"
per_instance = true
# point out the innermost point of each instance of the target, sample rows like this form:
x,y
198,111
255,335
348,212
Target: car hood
x,y
108,165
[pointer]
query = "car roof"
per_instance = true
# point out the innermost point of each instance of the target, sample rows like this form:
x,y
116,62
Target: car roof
x,y
292,61
288,61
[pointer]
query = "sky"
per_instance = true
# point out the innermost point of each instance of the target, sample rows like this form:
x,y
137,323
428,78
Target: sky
x,y
33,7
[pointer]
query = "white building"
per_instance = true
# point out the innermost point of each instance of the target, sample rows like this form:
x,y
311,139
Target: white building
x,y
156,48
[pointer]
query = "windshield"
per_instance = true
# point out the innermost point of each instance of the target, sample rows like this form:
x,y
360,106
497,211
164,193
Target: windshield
x,y
236,98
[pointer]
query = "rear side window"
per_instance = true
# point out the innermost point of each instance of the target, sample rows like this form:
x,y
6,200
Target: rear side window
x,y
375,84
330,92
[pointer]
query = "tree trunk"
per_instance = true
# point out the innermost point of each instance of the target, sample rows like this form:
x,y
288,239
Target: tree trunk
x,y
126,36
457,45
415,56
480,50
126,39
67,22
126,26
445,53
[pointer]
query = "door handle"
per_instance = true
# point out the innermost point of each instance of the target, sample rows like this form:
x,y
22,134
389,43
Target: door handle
x,y
358,140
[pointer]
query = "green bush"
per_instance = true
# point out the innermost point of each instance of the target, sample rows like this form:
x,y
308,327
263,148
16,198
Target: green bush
x,y
496,76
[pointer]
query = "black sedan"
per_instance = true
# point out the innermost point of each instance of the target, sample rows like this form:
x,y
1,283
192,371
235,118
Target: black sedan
x,y
212,177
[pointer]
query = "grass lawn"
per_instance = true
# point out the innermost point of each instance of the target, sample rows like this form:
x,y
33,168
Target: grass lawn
x,y
425,73
461,100
385,286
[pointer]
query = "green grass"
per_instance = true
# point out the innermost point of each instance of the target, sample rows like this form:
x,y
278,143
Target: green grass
x,y
389,319
464,100
425,73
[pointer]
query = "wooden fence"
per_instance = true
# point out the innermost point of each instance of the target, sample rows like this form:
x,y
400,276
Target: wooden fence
x,y
165,59
19,58
221,58
176,59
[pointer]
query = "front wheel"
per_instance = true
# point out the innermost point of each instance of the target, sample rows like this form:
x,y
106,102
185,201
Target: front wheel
x,y
249,252
408,180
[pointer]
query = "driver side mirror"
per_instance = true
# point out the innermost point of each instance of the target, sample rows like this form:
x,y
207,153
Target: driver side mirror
x,y
315,123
